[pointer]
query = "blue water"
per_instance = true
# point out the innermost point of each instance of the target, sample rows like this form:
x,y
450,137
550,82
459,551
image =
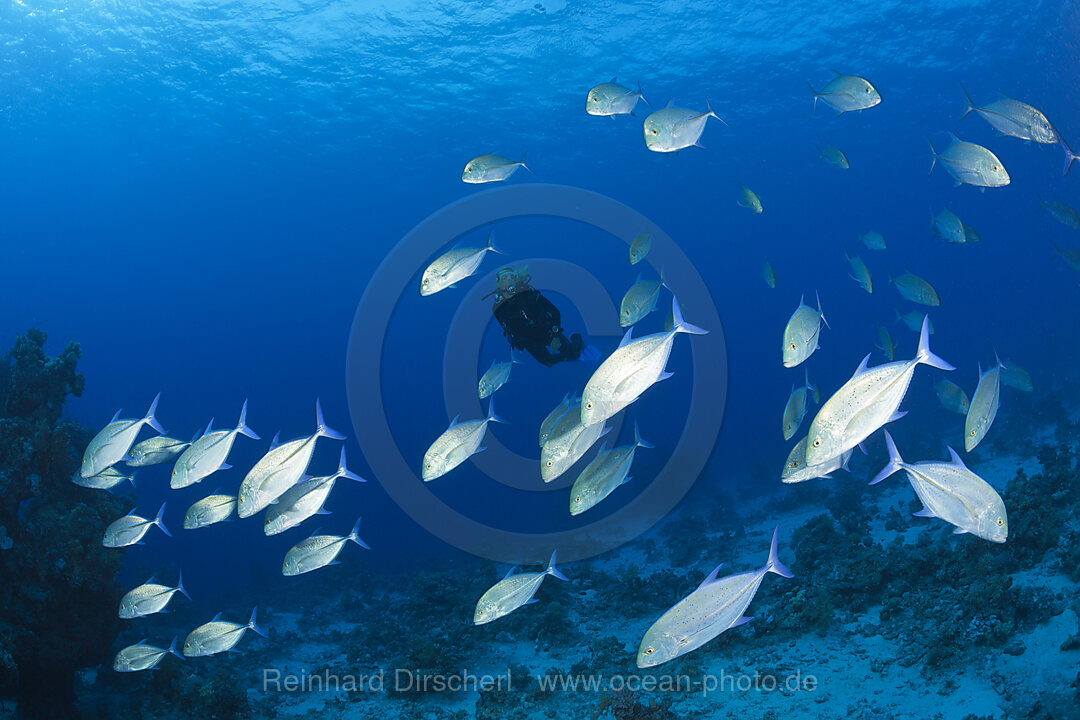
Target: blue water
x,y
199,196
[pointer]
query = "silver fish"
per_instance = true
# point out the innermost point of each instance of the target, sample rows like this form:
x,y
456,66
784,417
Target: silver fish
x,y
796,470
795,408
640,300
496,376
673,128
280,468
457,444
491,168
512,592
749,200
305,499
984,407
568,442
319,551
141,656
914,288
608,470
454,265
107,479
556,415
640,247
866,402
801,333
611,98
211,509
970,164
859,272
947,226
717,605
632,369
113,442
150,598
207,454
834,156
131,528
846,93
873,240
971,235
155,450
1014,118
950,491
217,636
952,397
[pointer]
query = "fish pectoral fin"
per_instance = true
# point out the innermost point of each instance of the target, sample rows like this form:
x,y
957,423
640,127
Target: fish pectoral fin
x,y
531,601
959,531
924,513
741,621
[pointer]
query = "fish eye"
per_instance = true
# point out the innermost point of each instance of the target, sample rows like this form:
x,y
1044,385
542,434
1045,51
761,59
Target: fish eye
x,y
577,499
1001,522
817,443
794,463
588,406
971,434
650,651
867,91
794,346
549,463
994,167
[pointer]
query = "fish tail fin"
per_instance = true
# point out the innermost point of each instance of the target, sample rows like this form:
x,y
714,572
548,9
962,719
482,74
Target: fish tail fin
x,y
680,325
1069,154
491,416
969,103
150,418
157,520
251,623
321,428
712,113
345,472
924,355
490,247
933,154
355,537
774,565
521,162
131,478
642,97
554,571
638,440
895,461
816,96
180,584
172,648
242,426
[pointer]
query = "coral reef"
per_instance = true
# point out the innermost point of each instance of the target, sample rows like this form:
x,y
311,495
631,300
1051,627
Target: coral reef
x,y
60,615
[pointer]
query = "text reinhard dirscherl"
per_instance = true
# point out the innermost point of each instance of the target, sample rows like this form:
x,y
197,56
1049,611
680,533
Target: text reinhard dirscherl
x,y
403,680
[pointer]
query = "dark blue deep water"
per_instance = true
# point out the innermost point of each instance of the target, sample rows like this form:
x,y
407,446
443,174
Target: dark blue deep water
x,y
200,194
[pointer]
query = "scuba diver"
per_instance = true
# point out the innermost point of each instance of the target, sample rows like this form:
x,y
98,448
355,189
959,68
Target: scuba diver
x,y
531,322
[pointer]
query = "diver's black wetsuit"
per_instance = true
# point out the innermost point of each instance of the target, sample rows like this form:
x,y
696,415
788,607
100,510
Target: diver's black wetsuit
x,y
531,322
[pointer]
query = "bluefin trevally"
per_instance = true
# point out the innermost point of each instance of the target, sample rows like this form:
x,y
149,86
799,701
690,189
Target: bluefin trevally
x,y
608,470
218,636
970,164
847,93
457,444
319,551
513,591
130,529
801,334
866,402
114,441
150,598
749,200
611,98
952,397
717,605
984,406
141,656
305,499
496,376
213,508
795,408
952,492
208,453
491,168
675,128
1014,118
640,247
454,265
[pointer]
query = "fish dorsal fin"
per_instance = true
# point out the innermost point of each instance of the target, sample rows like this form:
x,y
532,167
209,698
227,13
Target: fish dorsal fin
x,y
510,572
952,136
863,366
218,616
670,103
613,80
627,337
711,577
455,422
956,459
